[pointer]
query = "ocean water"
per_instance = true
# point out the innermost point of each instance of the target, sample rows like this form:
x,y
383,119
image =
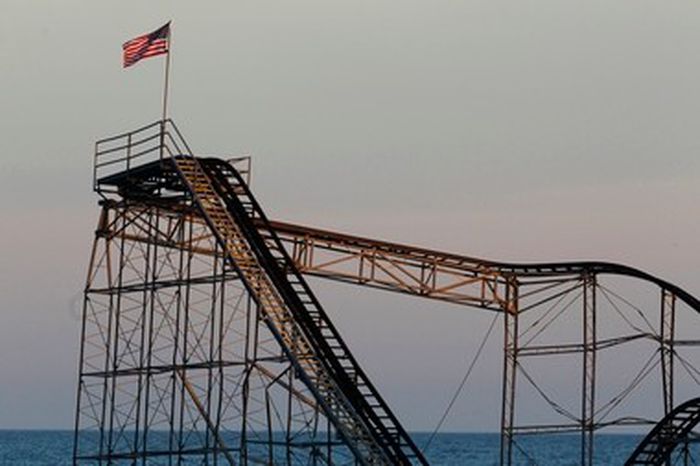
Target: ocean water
x,y
54,448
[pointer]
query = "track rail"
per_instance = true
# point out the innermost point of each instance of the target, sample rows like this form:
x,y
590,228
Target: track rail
x,y
430,273
325,362
672,430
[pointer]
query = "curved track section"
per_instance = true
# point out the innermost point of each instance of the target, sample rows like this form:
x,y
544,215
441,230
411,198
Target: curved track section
x,y
672,430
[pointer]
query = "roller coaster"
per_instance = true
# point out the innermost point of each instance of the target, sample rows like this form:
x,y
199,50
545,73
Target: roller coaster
x,y
672,430
203,342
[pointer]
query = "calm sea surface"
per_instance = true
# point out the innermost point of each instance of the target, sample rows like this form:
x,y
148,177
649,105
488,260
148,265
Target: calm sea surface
x,y
39,448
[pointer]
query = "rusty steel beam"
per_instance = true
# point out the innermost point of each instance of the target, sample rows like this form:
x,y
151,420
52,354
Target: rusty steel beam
x,y
400,268
441,275
422,272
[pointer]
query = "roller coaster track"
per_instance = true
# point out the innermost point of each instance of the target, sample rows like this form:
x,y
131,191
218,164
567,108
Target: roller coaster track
x,y
295,316
360,260
271,258
254,252
672,430
422,271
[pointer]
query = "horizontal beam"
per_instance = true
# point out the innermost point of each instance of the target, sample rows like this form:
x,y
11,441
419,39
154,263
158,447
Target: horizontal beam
x,y
305,243
416,271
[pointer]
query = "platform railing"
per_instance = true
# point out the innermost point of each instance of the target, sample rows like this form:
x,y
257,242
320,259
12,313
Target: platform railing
x,y
122,152
156,141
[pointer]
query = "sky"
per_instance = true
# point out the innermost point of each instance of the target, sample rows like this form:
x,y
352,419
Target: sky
x,y
523,131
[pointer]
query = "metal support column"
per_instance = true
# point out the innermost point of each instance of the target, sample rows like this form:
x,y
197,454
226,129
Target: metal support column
x,y
510,365
589,370
667,335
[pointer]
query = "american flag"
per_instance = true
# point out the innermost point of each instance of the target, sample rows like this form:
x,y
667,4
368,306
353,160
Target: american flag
x,y
147,45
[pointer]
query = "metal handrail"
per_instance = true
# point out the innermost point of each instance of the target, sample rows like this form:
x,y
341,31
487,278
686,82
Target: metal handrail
x,y
117,154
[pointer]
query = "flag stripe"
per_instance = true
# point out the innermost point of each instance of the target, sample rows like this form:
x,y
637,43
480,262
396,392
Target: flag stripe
x,y
147,45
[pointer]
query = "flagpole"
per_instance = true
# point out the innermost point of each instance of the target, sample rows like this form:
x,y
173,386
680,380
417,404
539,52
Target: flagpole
x,y
165,92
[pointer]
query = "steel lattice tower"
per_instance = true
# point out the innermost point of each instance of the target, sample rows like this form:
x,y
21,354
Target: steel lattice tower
x,y
202,344
177,362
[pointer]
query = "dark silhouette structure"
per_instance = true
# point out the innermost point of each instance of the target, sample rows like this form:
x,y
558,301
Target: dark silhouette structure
x,y
202,341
